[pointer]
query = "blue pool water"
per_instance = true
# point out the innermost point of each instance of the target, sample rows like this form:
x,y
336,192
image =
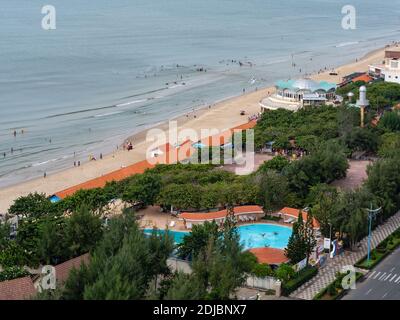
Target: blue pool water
x,y
251,236
178,235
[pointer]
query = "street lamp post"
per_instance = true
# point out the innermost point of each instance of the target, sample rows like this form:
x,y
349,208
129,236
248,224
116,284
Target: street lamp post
x,y
371,215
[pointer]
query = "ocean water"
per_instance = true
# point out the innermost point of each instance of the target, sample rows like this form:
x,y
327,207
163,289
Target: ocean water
x,y
113,68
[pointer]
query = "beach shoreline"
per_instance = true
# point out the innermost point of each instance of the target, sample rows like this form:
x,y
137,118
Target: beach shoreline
x,y
221,115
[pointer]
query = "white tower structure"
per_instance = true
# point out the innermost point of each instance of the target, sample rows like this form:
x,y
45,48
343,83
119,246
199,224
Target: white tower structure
x,y
362,103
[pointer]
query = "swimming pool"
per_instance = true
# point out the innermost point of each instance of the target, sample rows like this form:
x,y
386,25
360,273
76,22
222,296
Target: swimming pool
x,y
251,236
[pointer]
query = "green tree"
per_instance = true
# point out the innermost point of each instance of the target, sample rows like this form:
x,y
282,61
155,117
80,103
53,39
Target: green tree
x,y
33,205
389,145
278,163
83,230
145,189
296,249
273,190
390,121
285,272
198,239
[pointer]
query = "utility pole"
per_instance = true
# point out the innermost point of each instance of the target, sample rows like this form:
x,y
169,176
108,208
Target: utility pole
x,y
371,215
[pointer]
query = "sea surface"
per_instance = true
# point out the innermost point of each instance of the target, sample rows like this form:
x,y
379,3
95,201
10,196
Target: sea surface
x,y
113,68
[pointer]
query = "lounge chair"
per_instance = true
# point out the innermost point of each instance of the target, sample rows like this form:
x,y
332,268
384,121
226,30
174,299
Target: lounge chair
x,y
172,224
289,220
188,225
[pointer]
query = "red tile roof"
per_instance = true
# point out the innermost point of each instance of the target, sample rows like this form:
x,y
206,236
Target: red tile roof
x,y
295,214
209,216
100,182
269,255
225,136
249,125
17,289
366,78
170,155
63,269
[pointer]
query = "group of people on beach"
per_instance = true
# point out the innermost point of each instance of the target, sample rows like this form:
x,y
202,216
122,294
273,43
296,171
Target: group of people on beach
x,y
254,117
128,145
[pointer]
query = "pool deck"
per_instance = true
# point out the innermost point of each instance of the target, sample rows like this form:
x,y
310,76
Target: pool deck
x,y
153,217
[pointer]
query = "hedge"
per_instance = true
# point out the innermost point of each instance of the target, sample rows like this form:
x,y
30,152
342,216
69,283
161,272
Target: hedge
x,y
382,250
301,277
332,286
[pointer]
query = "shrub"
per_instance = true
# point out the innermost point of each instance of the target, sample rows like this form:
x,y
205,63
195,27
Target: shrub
x,y
300,278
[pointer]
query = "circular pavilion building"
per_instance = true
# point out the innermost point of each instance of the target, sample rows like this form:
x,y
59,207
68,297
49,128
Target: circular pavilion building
x,y
295,94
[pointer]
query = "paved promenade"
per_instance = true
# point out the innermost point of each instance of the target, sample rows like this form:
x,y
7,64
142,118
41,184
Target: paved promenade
x,y
327,273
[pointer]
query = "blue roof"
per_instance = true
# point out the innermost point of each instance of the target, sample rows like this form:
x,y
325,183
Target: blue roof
x,y
54,199
305,84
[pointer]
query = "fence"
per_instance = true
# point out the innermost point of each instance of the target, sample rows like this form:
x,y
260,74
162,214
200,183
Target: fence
x,y
267,283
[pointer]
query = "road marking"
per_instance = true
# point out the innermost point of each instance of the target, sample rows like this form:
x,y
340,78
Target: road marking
x,y
392,269
387,277
391,279
397,280
383,297
370,275
368,292
382,276
377,275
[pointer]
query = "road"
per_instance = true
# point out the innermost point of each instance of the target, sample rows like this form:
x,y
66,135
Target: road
x,y
382,283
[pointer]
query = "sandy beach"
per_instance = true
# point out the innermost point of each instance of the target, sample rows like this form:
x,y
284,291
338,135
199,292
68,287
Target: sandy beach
x,y
221,116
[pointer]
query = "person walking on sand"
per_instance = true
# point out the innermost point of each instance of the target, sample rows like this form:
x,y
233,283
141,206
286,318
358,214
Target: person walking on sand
x,y
44,175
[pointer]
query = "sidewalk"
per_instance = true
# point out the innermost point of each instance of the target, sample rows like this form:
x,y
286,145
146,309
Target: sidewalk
x,y
327,273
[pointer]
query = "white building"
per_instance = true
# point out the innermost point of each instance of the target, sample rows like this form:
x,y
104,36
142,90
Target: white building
x,y
389,70
295,94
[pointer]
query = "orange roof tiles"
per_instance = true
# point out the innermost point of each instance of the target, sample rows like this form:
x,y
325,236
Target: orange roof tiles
x,y
170,155
100,182
366,78
295,213
17,289
269,255
249,125
63,269
218,139
209,216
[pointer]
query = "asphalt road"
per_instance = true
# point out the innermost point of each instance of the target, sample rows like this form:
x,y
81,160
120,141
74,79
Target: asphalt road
x,y
382,283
